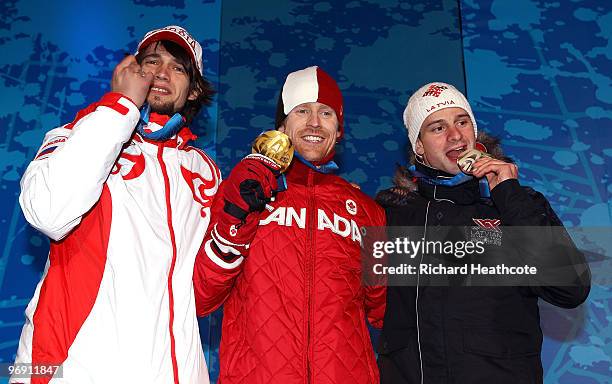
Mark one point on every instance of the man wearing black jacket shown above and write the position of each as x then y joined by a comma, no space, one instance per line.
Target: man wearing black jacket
477,334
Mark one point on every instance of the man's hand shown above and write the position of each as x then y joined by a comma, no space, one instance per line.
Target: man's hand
250,185
131,81
495,170
247,190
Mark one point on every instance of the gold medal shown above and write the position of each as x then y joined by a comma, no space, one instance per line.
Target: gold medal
467,159
276,146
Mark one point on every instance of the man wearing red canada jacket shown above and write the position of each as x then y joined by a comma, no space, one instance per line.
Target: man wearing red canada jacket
289,269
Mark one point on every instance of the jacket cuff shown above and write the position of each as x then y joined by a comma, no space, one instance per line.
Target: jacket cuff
220,262
119,103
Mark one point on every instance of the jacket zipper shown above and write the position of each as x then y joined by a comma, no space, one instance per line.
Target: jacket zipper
416,299
160,152
309,268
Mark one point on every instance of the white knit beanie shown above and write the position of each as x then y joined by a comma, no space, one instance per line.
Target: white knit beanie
431,98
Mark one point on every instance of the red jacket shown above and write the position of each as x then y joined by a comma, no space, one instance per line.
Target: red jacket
295,309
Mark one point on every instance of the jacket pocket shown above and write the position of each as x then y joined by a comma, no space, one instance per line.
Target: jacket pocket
500,343
395,340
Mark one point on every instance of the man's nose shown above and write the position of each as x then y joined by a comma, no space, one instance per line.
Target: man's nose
161,72
314,119
454,134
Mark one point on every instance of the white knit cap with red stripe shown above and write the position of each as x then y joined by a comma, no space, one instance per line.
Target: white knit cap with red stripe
431,98
312,85
178,35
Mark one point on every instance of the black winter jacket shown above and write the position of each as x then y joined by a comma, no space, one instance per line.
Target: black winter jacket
467,335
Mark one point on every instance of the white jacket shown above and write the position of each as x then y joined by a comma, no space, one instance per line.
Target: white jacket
126,218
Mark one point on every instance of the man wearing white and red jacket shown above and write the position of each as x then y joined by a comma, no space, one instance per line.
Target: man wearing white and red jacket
126,203
289,269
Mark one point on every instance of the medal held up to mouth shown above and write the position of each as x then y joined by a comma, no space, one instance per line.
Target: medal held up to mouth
467,159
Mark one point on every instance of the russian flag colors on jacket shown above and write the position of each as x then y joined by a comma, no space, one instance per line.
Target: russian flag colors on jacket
126,218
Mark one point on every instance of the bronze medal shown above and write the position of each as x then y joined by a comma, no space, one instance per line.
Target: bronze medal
467,159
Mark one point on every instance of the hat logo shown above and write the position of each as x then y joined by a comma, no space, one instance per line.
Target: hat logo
351,207
182,33
439,105
434,90
178,31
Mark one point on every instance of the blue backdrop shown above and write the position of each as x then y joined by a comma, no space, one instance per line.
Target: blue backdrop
539,75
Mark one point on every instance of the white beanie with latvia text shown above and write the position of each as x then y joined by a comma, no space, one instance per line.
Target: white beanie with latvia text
431,98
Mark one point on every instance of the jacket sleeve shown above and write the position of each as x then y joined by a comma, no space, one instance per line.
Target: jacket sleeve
216,268
66,177
524,207
376,292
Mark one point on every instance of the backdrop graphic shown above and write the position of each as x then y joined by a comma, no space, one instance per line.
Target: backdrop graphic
374,50
539,75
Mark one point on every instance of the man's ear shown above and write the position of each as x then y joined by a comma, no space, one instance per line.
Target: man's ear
418,147
193,95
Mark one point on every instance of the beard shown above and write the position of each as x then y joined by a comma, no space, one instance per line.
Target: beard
160,107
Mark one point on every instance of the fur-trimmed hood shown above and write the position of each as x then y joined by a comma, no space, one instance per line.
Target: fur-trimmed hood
403,184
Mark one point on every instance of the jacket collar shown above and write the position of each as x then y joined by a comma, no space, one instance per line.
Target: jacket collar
180,140
322,166
299,173
464,194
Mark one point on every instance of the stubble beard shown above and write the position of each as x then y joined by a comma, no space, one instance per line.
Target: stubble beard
160,107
